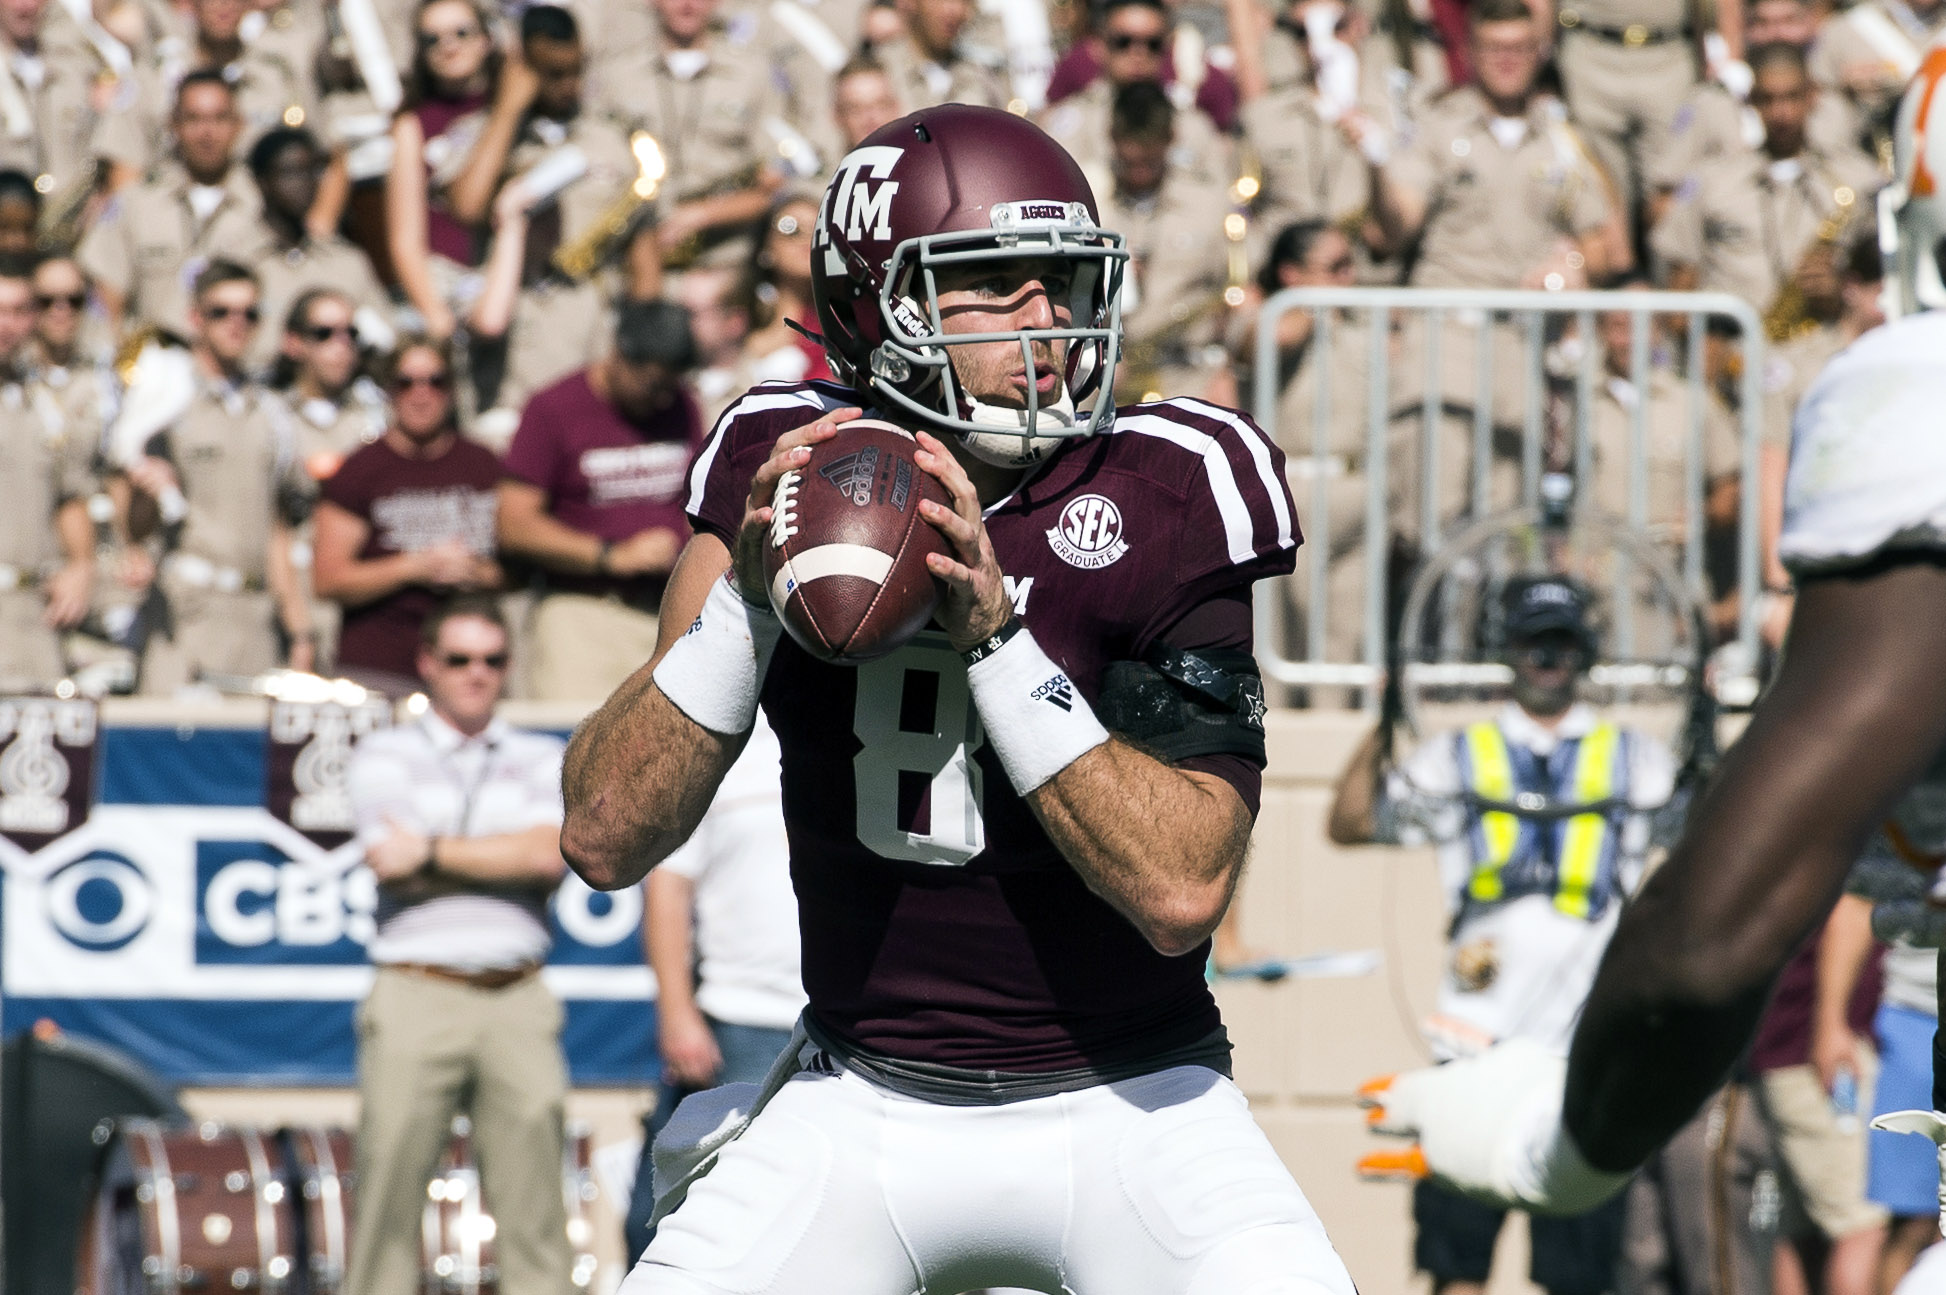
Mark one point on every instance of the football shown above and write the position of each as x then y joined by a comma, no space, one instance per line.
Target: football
846,554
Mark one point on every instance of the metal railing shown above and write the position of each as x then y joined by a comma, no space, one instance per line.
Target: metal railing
1556,405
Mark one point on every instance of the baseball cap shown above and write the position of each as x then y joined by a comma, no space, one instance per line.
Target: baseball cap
1537,605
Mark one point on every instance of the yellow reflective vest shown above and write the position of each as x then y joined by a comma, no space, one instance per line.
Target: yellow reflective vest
1523,843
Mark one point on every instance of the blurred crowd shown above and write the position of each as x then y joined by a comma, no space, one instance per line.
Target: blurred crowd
313,311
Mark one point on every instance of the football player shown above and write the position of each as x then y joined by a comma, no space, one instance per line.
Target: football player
1855,718
1012,837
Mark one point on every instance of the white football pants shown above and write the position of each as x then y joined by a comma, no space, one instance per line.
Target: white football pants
1161,1185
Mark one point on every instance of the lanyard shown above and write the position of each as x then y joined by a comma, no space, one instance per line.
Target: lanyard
469,789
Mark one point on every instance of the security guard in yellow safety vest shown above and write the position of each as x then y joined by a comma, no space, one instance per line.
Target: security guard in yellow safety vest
1541,819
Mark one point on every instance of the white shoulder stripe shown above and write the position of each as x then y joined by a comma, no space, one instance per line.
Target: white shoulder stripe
1258,444
1238,531
756,402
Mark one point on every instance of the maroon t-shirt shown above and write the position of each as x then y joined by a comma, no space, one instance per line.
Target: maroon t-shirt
410,504
603,474
446,233
940,923
1784,1034
1081,66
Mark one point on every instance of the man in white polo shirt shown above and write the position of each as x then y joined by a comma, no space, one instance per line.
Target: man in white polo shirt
460,814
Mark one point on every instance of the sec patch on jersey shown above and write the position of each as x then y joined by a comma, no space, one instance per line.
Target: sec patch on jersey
846,555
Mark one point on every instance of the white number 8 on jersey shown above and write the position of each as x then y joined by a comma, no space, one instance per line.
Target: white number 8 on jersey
921,684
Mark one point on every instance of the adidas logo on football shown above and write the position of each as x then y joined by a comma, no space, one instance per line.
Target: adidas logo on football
852,474
1056,690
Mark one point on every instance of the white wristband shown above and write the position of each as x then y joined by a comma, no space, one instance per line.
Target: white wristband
715,671
1036,719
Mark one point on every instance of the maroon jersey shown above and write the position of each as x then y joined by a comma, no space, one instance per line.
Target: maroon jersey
408,505
604,474
940,924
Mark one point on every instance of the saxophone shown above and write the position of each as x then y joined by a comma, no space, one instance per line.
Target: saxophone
1143,358
1788,316
586,253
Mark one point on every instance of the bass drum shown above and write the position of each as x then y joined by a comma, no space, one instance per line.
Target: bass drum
321,1174
459,1226
188,1209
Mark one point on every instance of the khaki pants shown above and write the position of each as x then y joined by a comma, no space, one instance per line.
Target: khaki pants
428,1049
30,652
1823,1164
583,647
1624,100
210,632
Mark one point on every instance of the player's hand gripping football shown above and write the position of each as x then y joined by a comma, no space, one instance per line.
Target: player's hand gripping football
793,450
976,603
1489,1127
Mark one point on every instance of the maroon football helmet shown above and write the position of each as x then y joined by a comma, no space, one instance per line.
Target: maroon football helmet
950,185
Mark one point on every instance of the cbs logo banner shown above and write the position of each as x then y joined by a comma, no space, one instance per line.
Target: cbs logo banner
227,902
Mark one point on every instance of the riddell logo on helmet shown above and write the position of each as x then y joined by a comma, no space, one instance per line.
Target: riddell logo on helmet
859,207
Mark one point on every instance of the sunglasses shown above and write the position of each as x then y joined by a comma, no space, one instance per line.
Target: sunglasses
1121,43
326,332
217,314
1550,656
434,39
434,381
72,300
461,660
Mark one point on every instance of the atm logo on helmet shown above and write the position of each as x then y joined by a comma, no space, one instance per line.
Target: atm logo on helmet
860,198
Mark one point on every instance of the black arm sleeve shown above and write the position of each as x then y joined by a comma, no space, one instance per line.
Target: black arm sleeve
1220,620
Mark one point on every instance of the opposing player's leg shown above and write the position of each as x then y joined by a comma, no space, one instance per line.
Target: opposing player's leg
789,1206
1178,1192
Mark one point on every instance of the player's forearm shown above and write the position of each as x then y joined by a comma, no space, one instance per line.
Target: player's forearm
1858,709
638,777
530,857
1162,845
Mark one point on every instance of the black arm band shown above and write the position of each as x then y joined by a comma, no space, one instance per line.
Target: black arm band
1179,704
988,646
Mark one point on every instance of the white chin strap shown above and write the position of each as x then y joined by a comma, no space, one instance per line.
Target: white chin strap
1012,443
